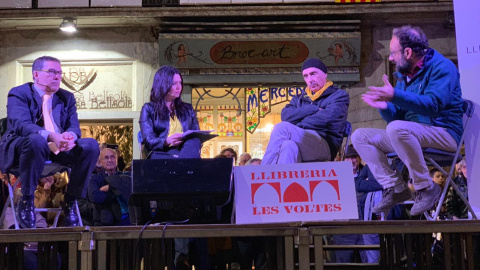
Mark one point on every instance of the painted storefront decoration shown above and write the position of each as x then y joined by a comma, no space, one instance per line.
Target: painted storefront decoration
258,50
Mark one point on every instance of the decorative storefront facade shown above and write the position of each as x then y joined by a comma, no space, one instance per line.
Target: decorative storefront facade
240,82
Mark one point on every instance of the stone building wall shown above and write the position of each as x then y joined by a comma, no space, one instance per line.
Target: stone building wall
140,46
135,46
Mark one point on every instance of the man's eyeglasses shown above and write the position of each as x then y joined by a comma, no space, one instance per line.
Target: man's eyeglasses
51,72
395,52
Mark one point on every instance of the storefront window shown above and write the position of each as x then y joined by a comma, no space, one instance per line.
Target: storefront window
242,117
221,110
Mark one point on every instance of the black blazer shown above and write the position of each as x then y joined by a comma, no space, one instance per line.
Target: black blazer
24,116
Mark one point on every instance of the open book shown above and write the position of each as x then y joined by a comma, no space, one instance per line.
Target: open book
203,135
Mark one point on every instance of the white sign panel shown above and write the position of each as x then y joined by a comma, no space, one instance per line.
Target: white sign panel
468,50
16,4
295,192
96,85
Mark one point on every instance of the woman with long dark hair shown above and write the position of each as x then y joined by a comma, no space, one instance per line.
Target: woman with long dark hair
166,117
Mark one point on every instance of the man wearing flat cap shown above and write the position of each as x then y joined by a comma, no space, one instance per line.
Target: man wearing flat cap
312,123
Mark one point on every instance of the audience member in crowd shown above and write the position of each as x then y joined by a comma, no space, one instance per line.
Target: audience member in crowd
312,123
365,182
109,191
30,249
437,177
43,125
256,250
458,169
230,153
9,219
346,256
254,161
455,207
49,194
244,158
424,109
166,117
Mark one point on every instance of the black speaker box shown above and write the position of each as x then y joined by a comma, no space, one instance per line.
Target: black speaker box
195,191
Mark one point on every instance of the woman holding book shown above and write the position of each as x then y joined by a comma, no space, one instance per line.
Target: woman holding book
166,117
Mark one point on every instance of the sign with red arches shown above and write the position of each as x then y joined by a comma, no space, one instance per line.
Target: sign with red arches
295,192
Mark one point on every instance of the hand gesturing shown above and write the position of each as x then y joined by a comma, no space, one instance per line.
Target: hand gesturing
377,97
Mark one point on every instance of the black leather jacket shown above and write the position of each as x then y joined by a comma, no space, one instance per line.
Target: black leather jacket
155,131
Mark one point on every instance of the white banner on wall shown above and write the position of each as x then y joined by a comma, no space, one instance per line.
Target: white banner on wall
467,27
97,85
295,192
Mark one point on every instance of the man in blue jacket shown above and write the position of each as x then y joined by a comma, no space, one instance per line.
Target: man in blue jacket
313,123
423,110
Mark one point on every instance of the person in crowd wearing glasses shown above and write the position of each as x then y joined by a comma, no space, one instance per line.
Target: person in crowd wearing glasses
43,125
423,110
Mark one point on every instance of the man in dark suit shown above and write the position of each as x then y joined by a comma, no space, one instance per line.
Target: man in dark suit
43,125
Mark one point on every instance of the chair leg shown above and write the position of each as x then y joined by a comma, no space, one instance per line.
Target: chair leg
10,199
4,211
80,222
441,200
55,221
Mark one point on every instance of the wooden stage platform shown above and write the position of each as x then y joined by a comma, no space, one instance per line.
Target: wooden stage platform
302,246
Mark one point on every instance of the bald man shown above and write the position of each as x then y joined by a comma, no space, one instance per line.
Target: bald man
105,191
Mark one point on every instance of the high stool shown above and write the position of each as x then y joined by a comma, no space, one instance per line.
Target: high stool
439,159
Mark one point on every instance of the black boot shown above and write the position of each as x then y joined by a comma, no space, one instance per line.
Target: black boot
71,217
26,214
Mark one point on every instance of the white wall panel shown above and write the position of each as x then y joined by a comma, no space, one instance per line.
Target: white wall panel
15,4
62,3
116,3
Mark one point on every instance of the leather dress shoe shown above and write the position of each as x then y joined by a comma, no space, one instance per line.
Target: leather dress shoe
71,217
26,214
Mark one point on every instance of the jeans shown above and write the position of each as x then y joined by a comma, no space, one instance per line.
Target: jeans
373,256
346,256
406,139
291,144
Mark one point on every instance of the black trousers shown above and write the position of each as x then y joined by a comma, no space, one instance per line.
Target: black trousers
32,153
189,149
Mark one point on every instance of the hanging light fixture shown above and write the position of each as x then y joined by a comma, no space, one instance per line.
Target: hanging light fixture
69,25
